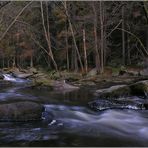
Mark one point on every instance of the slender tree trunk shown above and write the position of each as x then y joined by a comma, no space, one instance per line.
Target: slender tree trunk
73,36
3,62
147,38
123,38
8,62
48,31
85,53
97,56
128,50
48,39
14,63
67,51
72,60
75,61
102,38
31,61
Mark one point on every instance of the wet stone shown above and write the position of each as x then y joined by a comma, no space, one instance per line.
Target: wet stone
120,103
21,111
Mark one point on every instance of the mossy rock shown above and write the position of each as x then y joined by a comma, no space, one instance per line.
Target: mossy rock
114,91
139,88
21,111
44,84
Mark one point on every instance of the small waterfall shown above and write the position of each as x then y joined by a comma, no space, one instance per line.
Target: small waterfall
9,77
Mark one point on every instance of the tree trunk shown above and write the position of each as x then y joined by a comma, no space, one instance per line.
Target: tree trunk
47,36
97,56
3,62
31,61
73,36
105,39
128,50
123,38
102,38
85,54
147,38
14,63
67,51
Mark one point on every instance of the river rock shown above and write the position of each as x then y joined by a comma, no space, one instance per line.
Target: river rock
92,72
21,111
63,86
1,77
32,70
22,75
120,103
139,88
144,72
113,91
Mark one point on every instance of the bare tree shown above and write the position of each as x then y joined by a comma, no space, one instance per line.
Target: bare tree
102,37
85,53
47,36
123,37
97,56
73,36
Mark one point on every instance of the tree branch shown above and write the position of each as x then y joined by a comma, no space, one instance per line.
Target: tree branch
3,35
144,49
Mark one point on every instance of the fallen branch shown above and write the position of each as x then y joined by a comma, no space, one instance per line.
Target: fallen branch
144,49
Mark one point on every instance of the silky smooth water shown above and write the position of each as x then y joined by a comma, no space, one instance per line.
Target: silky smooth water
73,123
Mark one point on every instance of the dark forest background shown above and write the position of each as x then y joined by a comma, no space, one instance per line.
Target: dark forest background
73,36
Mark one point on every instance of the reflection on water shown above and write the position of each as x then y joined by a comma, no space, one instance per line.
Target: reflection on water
68,122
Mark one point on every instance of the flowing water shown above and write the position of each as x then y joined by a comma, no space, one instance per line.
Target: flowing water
73,123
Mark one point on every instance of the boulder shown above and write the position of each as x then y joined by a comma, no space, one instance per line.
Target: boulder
1,77
22,75
128,73
21,111
42,82
33,70
144,72
113,91
139,88
92,72
63,86
120,103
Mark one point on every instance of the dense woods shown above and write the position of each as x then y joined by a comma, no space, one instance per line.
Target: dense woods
73,36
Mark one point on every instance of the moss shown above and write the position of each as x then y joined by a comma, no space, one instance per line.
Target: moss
114,92
43,83
139,88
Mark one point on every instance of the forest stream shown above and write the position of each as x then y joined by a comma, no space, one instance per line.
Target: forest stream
67,120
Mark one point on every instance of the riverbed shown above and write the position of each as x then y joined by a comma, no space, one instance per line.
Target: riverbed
73,123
